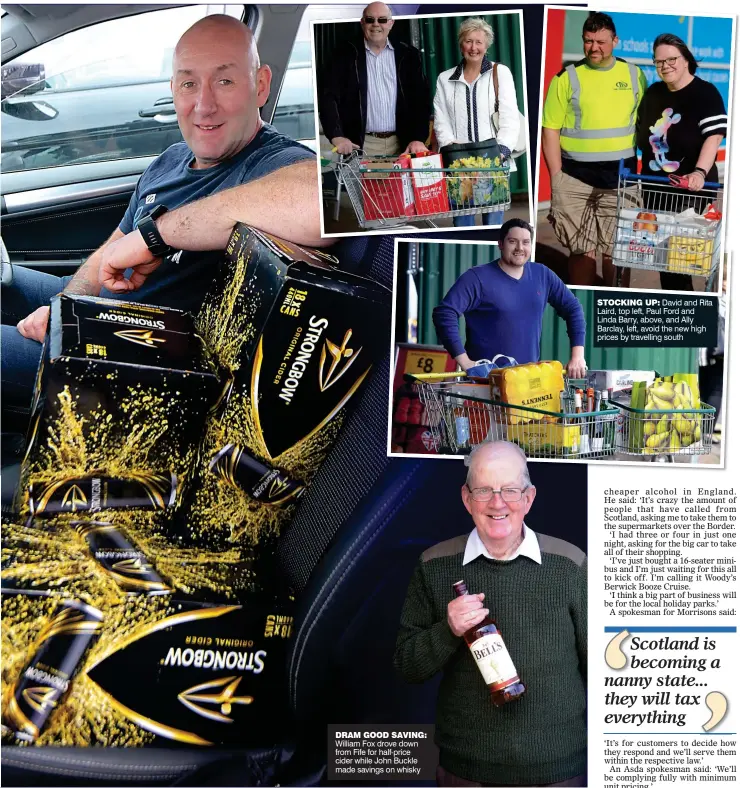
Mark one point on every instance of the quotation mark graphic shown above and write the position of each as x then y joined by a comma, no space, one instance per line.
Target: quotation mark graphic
613,655
717,704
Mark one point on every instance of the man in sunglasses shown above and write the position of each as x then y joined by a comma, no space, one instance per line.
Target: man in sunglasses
374,95
534,587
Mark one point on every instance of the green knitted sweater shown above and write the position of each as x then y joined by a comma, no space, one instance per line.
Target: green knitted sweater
541,609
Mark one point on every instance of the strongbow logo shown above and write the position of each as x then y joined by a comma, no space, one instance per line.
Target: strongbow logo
73,498
132,566
338,354
40,699
225,698
140,337
278,487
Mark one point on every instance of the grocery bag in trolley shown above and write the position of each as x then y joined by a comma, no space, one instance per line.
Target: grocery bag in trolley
642,236
430,188
386,187
690,250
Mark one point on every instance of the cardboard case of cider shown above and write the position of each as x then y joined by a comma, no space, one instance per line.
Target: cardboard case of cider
121,399
298,337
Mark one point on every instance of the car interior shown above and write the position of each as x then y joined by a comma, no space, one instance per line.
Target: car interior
352,546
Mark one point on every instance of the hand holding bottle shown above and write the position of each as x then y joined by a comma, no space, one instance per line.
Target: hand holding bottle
465,612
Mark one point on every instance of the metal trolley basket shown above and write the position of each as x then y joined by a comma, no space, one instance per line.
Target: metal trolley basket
654,232
460,421
658,434
384,197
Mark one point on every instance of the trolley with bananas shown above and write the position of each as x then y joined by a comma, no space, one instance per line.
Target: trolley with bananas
390,196
672,424
664,227
461,415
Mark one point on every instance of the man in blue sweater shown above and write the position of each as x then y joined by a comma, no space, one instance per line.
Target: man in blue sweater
503,303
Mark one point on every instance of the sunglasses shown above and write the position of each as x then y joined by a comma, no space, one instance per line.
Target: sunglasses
371,20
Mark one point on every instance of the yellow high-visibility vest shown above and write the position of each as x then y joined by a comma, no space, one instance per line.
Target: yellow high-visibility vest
595,110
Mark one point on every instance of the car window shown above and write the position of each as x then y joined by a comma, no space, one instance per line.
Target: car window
294,111
102,92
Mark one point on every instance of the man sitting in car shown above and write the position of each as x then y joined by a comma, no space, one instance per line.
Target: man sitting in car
232,167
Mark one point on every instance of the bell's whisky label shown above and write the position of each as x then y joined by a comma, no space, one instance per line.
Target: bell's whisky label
119,559
43,683
95,493
494,662
200,676
267,485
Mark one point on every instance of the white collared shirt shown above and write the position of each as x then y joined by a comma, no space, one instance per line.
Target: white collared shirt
529,548
382,89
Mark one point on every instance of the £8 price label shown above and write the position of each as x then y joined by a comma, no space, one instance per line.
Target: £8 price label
419,362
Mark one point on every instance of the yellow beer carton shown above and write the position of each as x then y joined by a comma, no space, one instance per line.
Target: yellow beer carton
536,385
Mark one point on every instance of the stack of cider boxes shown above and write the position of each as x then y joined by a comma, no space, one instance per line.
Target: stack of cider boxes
142,598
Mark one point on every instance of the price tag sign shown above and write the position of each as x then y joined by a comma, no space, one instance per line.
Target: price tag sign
422,362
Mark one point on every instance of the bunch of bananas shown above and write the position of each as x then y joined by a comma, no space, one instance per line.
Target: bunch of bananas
670,432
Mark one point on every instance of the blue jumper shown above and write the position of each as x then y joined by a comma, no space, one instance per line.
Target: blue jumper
503,314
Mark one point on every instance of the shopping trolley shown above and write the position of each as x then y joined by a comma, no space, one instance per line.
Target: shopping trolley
663,435
461,415
661,226
385,197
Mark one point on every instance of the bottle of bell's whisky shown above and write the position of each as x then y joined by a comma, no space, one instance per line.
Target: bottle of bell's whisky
492,657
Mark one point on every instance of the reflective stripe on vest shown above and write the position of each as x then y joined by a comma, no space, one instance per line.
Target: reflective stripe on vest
579,142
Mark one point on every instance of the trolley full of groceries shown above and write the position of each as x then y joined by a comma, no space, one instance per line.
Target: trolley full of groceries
664,227
532,405
389,192
611,414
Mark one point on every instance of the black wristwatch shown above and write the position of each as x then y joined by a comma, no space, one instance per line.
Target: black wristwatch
149,232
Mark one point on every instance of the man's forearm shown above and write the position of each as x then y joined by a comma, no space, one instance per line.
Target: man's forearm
551,150
464,361
85,281
285,203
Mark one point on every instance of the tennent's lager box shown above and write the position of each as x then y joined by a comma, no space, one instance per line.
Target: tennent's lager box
150,670
122,395
299,337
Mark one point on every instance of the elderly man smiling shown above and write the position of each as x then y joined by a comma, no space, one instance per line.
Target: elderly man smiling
534,586
374,95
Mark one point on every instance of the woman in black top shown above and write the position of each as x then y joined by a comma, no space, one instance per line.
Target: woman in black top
680,125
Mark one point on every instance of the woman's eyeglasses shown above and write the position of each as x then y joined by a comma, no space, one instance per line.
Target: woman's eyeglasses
371,20
669,61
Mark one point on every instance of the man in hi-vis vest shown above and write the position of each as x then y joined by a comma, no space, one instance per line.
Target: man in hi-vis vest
588,126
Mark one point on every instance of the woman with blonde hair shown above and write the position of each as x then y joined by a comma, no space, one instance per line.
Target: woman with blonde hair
465,102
